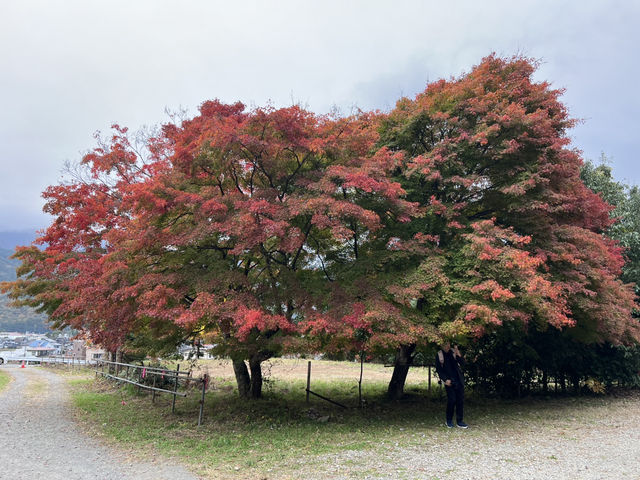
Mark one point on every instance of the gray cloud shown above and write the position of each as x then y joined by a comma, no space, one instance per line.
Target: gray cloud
75,67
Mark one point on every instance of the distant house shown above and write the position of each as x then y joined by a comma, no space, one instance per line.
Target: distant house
41,348
78,349
188,351
12,336
94,353
84,350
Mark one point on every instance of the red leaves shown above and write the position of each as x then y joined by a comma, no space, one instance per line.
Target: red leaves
251,198
373,326
357,318
248,320
214,208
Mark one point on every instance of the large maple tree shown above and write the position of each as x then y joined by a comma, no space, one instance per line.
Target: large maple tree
513,233
232,235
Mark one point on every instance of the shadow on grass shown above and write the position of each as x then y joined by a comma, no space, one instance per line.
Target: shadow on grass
282,427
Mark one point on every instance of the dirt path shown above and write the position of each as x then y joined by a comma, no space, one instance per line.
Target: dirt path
39,440
596,442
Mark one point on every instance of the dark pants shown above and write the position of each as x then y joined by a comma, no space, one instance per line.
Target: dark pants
455,400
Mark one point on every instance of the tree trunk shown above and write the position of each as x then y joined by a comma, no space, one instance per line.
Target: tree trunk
400,371
575,380
256,376
242,377
250,380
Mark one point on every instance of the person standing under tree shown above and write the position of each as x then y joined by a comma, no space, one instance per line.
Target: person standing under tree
448,363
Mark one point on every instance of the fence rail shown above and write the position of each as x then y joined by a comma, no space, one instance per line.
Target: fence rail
175,376
66,360
52,359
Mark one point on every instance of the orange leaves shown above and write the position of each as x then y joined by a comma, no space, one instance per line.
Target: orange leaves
522,260
492,289
541,287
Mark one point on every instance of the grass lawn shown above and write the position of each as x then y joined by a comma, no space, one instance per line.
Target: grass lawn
266,438
4,380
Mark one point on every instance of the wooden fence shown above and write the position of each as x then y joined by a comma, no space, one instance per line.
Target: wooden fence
138,375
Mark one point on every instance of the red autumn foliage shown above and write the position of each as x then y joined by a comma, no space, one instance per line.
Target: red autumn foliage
520,234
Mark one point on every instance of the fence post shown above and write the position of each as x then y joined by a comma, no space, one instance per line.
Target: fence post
360,379
153,397
205,381
308,379
429,387
175,389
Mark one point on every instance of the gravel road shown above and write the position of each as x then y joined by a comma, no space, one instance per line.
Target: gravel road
39,439
597,442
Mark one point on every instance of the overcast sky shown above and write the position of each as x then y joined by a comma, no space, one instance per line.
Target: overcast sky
69,68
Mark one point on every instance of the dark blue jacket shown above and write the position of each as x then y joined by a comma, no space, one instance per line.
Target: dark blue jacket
450,370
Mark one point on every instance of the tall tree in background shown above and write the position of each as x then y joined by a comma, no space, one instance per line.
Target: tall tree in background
626,213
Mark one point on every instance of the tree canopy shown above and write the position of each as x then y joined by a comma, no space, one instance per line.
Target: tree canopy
272,230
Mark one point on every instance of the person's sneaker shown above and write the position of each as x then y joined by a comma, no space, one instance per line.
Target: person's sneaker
462,425
449,424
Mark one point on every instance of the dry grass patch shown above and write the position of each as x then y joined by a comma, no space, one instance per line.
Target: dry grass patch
322,370
5,379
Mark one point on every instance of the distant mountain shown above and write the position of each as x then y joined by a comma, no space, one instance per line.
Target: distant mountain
9,240
22,319
7,265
